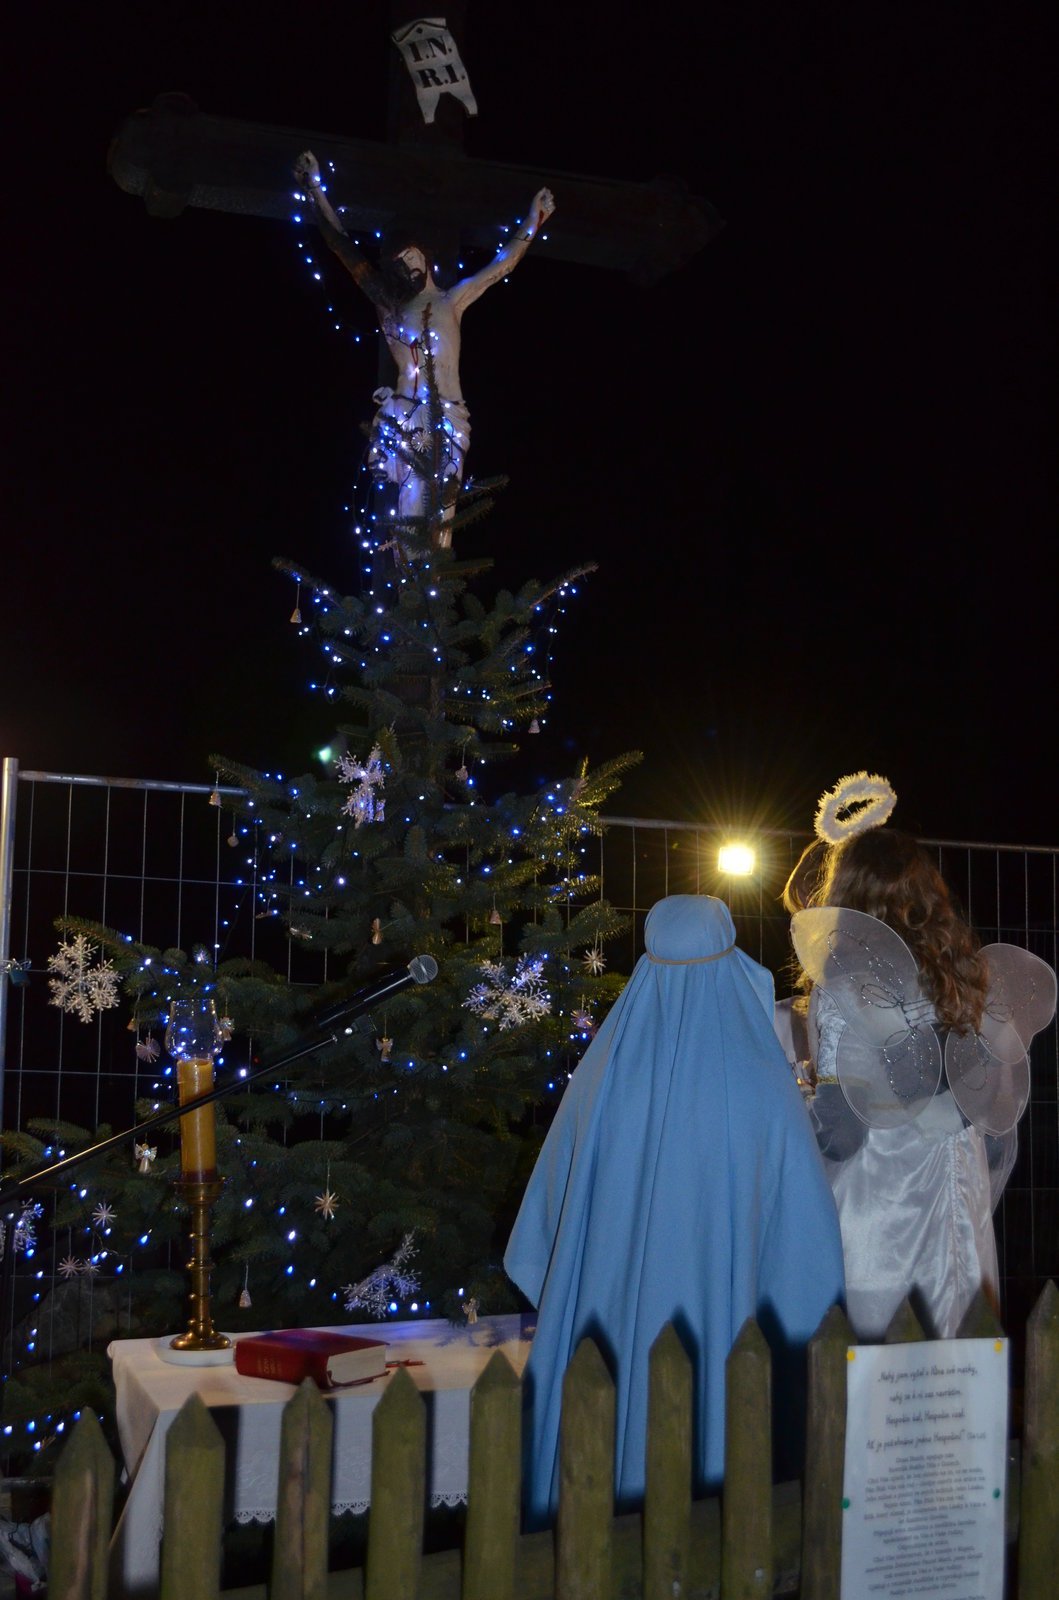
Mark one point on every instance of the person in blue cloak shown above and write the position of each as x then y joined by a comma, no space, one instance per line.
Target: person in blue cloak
680,1181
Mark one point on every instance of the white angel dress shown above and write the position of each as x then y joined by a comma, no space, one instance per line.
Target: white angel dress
916,1123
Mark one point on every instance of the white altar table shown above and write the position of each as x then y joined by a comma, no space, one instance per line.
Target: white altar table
247,1411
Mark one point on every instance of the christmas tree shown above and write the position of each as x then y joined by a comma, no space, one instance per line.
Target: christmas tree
421,1125
380,1174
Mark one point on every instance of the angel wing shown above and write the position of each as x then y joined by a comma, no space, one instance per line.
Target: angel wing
989,1071
889,1057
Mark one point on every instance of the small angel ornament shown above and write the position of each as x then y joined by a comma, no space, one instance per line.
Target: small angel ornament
144,1154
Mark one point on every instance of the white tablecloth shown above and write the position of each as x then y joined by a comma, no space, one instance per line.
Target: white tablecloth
150,1392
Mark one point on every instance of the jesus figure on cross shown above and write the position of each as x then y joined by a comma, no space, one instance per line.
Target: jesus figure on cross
411,309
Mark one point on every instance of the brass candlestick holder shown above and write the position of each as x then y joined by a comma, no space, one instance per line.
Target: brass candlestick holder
193,1037
200,1195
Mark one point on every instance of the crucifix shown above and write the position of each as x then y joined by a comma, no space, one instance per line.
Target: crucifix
419,181
422,427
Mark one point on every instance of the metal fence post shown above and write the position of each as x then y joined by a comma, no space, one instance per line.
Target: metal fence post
8,799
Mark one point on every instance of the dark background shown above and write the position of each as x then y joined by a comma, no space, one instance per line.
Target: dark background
814,465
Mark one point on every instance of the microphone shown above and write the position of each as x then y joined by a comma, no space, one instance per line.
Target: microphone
421,969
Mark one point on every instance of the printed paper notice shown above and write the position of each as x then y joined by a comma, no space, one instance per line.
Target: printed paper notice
926,1457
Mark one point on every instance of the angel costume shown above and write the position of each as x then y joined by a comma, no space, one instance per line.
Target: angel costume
680,1182
917,1158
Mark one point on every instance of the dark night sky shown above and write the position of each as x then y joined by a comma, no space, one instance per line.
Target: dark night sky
814,465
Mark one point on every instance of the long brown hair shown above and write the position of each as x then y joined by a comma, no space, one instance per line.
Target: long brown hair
804,880
890,876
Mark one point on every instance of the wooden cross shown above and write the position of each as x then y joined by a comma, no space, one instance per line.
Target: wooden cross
175,156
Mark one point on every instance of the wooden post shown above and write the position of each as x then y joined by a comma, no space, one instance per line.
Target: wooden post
192,1523
746,1504
904,1326
704,1560
82,1503
980,1321
1039,1521
825,1458
303,1502
398,1492
667,1501
494,1483
583,1561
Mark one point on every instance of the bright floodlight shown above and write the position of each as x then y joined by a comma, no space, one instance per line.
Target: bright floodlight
737,860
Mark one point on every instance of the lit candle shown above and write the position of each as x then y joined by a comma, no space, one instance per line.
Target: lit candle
193,1037
198,1144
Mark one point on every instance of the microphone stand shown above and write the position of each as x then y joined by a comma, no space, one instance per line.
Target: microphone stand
18,1189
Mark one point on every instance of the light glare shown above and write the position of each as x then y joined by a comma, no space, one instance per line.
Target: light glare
737,860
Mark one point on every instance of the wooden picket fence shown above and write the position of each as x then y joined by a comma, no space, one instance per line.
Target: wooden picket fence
755,1541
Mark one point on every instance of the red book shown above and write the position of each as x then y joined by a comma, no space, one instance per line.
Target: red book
332,1360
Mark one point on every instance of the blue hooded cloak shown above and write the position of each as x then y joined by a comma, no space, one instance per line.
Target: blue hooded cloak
680,1181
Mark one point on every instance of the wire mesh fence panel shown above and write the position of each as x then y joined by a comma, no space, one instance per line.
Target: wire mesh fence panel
177,865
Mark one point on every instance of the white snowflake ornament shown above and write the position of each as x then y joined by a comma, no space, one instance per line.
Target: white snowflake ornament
77,985
326,1203
25,1235
511,1000
103,1214
375,1292
69,1267
365,802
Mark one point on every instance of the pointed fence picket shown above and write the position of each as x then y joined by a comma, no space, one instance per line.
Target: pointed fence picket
192,1527
746,1500
1039,1524
494,1483
303,1504
758,1541
398,1488
825,1442
667,1497
586,1478
82,1506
